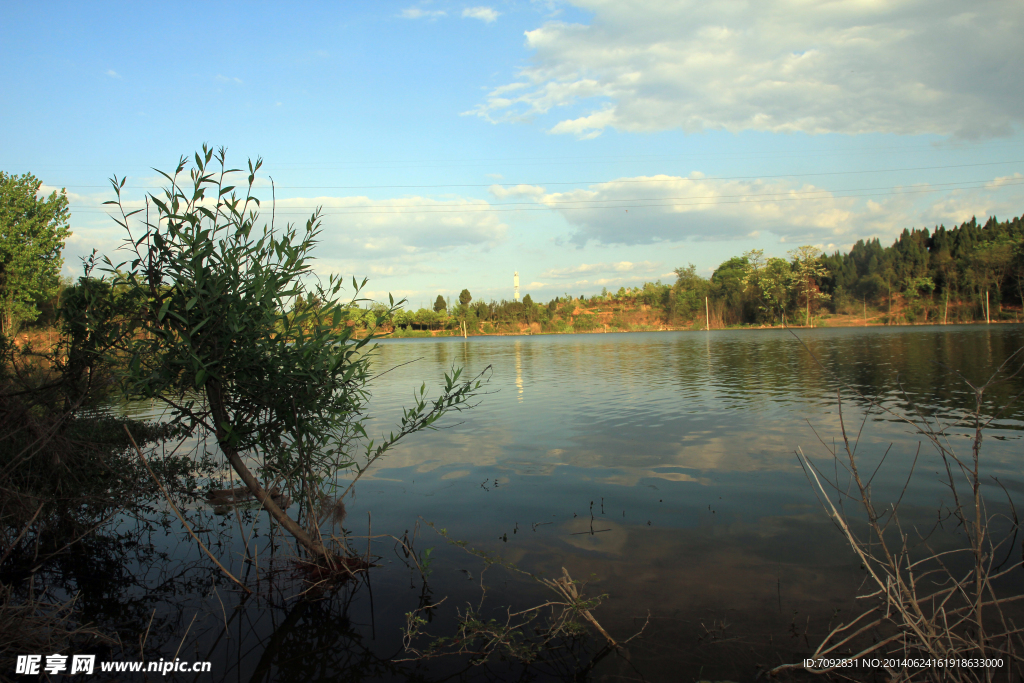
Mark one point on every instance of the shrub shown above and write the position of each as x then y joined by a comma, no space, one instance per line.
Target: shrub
585,322
284,390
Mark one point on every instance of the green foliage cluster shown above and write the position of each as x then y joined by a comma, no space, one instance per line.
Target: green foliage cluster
924,267
585,322
93,319
32,234
480,315
923,275
216,342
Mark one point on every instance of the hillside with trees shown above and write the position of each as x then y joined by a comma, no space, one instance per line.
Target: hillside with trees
971,272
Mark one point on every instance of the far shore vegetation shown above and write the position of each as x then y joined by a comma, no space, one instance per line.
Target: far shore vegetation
969,273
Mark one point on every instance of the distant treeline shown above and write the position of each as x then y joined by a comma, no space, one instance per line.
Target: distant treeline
969,272
961,265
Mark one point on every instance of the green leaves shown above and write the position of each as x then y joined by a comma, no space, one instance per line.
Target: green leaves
288,386
32,235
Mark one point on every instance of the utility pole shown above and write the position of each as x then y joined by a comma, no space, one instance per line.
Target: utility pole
707,314
987,318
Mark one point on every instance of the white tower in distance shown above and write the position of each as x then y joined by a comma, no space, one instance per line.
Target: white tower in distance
515,284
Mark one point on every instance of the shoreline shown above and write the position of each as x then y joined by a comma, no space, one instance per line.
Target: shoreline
836,325
33,336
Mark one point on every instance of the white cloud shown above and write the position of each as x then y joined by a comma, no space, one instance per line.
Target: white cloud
531,191
113,74
610,282
382,295
905,66
642,268
587,127
673,209
385,238
405,268
363,228
590,275
1002,181
485,14
418,13
662,208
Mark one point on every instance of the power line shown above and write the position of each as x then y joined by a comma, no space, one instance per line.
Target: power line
964,184
599,182
564,159
770,198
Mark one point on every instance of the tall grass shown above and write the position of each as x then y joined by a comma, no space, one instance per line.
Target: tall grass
935,608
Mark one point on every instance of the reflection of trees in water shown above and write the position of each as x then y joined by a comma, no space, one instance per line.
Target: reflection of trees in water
754,366
732,397
927,364
122,583
313,640
135,591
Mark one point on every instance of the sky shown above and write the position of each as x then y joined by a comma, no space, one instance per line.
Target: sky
588,144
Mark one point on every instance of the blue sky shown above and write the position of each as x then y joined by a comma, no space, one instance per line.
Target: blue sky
585,144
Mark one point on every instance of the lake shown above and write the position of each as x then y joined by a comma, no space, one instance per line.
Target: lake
658,467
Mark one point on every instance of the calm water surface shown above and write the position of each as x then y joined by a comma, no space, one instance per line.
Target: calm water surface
675,449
